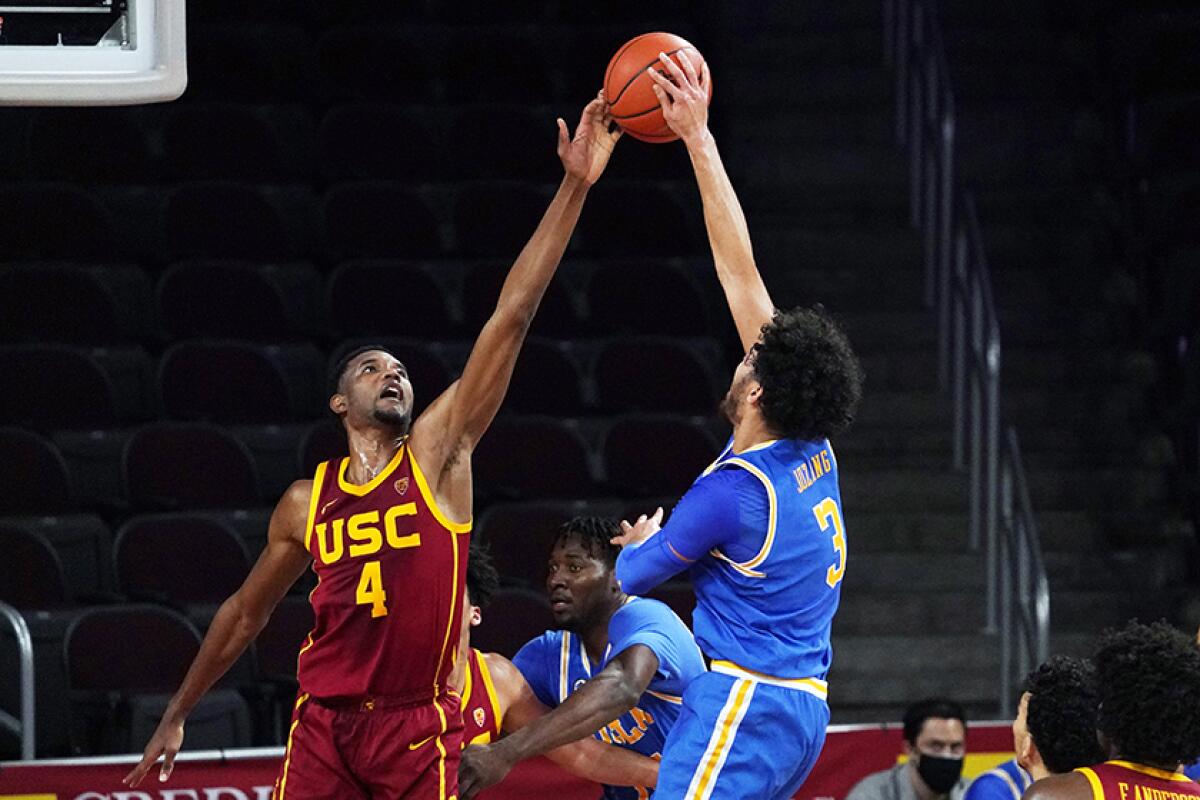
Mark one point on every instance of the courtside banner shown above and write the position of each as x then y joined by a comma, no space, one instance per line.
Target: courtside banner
851,751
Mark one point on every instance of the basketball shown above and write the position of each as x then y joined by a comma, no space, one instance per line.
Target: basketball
629,89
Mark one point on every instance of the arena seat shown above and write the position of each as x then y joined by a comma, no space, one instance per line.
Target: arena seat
519,536
358,142
237,382
179,559
387,297
78,303
527,457
374,62
107,665
237,141
90,144
171,466
246,62
85,388
546,380
655,455
379,219
520,148
253,221
31,573
512,618
557,316
239,299
82,544
663,299
616,209
496,218
54,221
654,374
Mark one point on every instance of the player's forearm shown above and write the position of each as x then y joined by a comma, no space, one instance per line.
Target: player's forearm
596,703
595,761
538,260
729,239
641,568
231,632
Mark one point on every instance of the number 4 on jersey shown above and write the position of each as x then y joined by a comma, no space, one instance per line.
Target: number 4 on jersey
826,512
370,590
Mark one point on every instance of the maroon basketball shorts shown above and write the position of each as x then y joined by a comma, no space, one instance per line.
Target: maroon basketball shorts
371,748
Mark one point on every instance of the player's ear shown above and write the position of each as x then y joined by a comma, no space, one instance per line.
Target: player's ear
755,395
476,616
339,404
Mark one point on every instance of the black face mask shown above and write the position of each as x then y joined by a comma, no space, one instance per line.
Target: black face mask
940,774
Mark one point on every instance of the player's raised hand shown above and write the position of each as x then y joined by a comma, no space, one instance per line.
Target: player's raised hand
166,741
586,154
683,97
640,531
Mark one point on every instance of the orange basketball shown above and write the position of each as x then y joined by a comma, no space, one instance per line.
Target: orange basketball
628,87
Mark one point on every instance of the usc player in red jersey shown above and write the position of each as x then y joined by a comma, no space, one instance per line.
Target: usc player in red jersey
496,698
387,531
1148,720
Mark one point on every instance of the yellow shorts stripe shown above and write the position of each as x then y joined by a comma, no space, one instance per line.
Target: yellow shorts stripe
704,779
287,756
441,751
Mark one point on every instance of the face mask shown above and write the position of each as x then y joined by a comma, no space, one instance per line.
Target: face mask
940,774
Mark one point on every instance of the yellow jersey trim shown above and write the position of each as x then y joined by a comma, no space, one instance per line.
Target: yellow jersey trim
1094,780
450,621
1154,772
318,482
670,698
704,780
287,759
364,489
747,568
493,699
814,686
755,447
423,486
468,681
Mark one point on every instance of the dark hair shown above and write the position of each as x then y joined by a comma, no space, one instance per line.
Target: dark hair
811,380
483,581
334,381
1148,677
1061,716
593,534
932,708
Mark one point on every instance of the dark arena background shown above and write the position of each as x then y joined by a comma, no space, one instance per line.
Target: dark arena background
1000,202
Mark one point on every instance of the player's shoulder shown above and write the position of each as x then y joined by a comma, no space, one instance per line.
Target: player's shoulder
503,672
540,647
1068,786
646,610
291,512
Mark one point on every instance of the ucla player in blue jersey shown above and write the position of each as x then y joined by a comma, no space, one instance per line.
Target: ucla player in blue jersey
616,668
761,530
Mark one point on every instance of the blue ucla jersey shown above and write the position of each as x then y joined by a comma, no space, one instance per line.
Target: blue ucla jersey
771,611
1006,781
556,664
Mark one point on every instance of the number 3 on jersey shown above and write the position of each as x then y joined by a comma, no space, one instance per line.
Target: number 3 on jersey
370,590
826,512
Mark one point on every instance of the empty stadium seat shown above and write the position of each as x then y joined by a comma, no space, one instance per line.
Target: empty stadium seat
237,141
546,380
218,297
651,297
31,573
557,315
655,455
512,618
179,559
519,536
175,466
90,144
82,544
73,302
72,389
637,219
379,219
654,374
279,642
36,475
54,221
236,382
363,141
387,297
511,142
372,62
236,61
324,441
529,457
224,219
496,218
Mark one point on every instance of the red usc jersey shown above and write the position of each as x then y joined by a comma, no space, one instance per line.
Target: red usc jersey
1125,780
391,570
481,712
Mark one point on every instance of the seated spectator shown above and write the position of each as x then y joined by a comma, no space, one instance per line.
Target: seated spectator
1054,732
935,734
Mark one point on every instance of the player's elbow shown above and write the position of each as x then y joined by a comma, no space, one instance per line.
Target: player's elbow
623,694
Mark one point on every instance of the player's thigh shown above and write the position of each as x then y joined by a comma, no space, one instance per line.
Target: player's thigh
737,738
312,766
413,753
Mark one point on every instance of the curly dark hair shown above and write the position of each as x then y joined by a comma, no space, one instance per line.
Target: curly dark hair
593,534
811,380
1061,715
483,581
1148,677
932,708
333,381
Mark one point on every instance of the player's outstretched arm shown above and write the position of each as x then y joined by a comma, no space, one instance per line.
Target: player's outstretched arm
587,758
460,416
237,623
684,100
603,698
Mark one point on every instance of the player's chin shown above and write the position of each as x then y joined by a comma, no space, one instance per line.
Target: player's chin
564,618
392,413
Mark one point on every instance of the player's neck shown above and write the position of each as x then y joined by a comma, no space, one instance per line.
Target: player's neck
371,450
595,637
751,430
